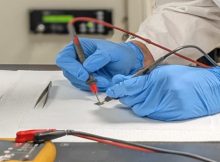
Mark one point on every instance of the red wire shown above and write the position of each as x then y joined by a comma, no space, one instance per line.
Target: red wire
126,146
73,21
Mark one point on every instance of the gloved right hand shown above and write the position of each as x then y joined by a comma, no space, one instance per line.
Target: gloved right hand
170,92
104,60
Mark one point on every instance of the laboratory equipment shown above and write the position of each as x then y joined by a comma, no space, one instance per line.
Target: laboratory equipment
42,48
42,100
55,21
18,152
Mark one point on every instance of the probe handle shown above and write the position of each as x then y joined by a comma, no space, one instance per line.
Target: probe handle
149,68
79,50
81,57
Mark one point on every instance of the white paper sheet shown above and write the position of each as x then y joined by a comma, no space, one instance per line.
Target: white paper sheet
7,80
70,108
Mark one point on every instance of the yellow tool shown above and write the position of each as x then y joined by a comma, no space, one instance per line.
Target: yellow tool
26,152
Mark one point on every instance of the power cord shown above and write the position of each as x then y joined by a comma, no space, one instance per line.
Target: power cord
40,136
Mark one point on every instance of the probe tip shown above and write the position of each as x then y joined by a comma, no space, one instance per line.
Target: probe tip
99,102
107,99
94,89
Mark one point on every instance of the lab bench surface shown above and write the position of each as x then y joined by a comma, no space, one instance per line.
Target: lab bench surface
95,152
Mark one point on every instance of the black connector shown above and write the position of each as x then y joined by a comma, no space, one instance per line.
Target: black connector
47,136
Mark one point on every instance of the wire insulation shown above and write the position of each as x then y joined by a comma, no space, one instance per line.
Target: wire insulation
140,147
78,19
161,59
54,134
117,144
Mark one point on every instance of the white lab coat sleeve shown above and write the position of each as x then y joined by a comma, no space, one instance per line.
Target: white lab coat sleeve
195,22
217,2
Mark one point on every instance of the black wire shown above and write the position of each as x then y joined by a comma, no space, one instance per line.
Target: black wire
161,59
196,47
160,150
151,67
46,136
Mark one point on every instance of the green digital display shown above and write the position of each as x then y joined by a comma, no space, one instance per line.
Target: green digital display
57,18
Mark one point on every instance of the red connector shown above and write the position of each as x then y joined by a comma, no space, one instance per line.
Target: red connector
29,135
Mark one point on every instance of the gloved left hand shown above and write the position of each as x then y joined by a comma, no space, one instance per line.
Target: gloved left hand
170,92
104,59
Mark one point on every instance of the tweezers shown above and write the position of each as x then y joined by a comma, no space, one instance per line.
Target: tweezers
42,100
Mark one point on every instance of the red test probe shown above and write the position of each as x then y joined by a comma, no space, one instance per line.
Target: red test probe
81,56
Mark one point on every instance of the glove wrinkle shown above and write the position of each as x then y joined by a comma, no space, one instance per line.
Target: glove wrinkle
172,93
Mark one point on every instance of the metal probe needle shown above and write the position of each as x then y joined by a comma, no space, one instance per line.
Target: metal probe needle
99,102
107,99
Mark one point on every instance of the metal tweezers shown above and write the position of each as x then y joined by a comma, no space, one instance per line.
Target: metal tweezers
42,100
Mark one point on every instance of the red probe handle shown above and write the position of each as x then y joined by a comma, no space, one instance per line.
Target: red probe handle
81,56
93,88
28,135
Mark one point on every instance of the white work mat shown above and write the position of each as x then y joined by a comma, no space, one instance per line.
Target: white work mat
70,108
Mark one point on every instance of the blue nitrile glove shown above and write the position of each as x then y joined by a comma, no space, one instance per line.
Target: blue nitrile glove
104,60
170,92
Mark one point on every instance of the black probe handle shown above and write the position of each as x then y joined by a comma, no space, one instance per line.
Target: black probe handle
47,136
150,68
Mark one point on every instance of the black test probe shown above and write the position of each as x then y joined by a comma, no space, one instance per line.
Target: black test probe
151,67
